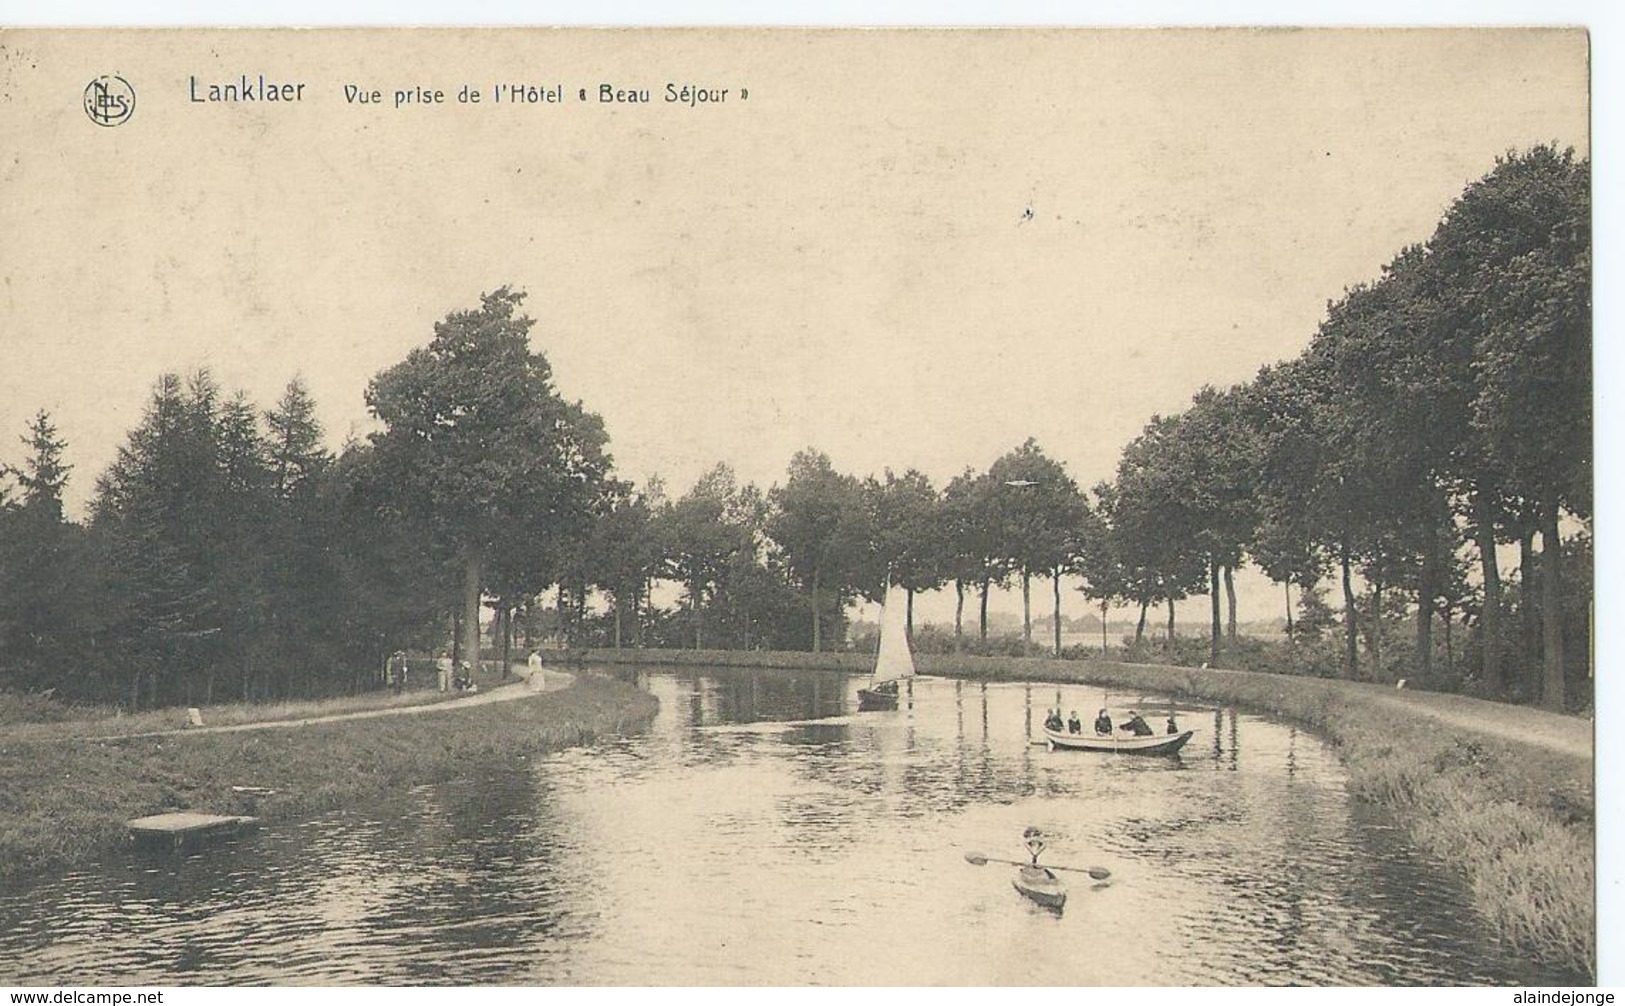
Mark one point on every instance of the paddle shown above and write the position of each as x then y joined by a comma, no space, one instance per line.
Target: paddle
1097,872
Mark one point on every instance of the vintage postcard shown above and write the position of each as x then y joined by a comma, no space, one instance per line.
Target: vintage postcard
740,507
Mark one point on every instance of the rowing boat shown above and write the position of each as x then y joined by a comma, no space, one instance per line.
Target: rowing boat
1153,744
1041,885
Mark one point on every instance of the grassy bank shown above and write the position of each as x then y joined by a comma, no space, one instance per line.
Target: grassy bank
1516,820
64,799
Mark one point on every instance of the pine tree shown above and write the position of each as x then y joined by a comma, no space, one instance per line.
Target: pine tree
148,515
38,565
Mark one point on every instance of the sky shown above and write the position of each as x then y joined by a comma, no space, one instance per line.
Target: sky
906,249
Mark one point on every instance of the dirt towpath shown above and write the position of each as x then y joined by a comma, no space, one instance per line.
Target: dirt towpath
1570,735
531,683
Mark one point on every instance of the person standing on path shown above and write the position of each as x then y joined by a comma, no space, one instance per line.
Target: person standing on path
535,664
443,666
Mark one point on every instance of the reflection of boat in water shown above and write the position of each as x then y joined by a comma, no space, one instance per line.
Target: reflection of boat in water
1152,744
1041,885
895,661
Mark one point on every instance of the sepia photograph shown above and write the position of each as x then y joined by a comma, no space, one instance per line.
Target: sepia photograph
488,507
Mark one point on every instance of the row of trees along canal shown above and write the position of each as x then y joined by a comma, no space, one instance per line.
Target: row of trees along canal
1439,415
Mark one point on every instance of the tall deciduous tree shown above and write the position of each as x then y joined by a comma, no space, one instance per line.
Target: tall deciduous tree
975,552
1514,256
1039,512
909,539
479,442
823,525
699,536
1097,561
621,553
1158,530
1279,407
392,580
1212,458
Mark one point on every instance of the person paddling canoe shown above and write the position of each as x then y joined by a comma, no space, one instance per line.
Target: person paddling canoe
1036,882
1034,840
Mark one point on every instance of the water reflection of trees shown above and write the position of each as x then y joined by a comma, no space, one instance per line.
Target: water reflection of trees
1248,861
940,757
1257,862
751,695
459,882
1265,857
501,879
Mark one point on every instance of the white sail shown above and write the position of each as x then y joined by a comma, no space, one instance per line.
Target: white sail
895,659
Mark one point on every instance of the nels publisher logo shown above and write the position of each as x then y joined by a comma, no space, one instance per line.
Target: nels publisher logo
109,100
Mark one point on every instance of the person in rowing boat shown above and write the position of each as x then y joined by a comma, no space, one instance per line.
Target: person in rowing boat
1137,725
1103,724
1173,727
1034,840
1053,721
1073,724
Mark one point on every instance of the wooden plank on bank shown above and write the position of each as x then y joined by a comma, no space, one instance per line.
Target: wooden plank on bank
180,827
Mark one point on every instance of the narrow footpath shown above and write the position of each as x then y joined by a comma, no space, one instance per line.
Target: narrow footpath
530,683
1570,735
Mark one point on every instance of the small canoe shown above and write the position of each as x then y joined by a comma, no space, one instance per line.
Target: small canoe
1152,744
1041,885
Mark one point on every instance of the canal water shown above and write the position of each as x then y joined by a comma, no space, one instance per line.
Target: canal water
762,832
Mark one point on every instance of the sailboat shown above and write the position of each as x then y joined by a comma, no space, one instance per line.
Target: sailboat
895,661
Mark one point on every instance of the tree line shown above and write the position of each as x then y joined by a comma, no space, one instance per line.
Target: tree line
1438,415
